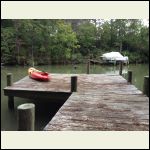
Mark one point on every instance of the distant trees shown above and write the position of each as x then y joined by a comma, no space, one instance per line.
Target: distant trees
38,41
60,41
86,35
8,45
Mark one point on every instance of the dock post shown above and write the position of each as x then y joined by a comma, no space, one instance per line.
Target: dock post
88,67
146,86
120,68
74,84
10,98
129,77
26,117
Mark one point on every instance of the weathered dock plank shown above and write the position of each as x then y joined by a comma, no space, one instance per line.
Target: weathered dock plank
57,89
102,102
102,112
61,84
32,85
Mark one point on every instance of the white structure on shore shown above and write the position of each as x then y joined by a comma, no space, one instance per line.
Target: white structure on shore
114,57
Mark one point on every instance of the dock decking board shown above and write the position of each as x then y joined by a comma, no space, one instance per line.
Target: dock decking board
102,102
58,89
102,112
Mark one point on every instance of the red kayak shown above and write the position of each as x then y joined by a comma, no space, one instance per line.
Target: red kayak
38,75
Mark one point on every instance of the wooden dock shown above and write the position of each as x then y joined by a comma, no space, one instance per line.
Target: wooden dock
101,103
56,90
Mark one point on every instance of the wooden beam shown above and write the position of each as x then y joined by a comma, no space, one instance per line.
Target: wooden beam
129,77
10,98
120,68
146,86
74,84
88,67
26,117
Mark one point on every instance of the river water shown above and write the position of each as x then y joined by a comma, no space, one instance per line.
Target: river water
45,110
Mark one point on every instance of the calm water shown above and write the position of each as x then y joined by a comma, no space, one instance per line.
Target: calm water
44,109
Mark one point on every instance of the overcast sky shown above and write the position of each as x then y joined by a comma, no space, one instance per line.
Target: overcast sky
146,22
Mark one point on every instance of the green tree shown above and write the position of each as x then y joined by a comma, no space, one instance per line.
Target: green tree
63,41
8,45
46,41
86,35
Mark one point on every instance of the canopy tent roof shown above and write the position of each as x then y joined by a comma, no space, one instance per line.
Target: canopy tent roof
114,56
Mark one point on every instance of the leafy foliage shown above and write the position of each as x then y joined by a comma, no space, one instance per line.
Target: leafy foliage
63,41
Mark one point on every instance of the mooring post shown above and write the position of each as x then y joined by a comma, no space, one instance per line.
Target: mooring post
74,84
88,67
10,98
120,68
129,79
26,117
146,86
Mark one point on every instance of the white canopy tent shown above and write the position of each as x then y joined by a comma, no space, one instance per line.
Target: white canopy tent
114,56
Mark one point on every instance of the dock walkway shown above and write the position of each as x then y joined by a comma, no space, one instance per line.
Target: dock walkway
102,102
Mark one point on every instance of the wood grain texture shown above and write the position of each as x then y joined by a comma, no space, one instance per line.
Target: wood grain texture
101,103
26,117
102,112
106,103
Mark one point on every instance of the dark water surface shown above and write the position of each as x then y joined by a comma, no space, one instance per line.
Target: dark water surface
45,110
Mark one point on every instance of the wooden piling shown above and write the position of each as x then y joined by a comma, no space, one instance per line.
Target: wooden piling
74,84
10,98
120,68
26,117
129,76
146,86
9,79
88,67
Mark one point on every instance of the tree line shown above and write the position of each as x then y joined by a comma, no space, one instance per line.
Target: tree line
59,41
